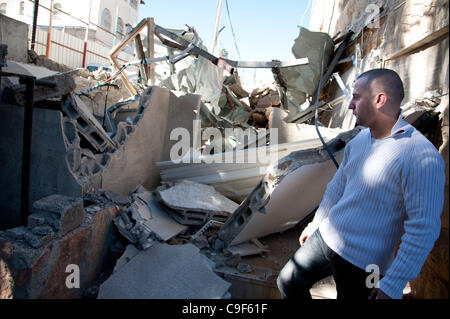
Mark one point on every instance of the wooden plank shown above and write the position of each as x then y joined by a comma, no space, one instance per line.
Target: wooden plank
118,48
151,48
422,42
141,55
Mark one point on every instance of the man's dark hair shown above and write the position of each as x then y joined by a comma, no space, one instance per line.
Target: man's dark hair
390,79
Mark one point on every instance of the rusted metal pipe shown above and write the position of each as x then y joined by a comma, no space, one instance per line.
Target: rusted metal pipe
49,33
33,32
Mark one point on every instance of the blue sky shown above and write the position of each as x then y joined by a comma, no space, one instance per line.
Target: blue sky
264,29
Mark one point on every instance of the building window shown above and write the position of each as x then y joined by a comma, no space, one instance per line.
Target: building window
120,33
128,28
22,8
106,19
3,7
133,3
56,13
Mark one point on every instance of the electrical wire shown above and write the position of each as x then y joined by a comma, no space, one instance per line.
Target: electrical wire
304,13
318,92
232,30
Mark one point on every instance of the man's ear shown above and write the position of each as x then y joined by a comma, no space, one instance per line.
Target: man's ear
380,100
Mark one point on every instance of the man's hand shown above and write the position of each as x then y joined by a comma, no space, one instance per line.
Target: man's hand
377,293
303,237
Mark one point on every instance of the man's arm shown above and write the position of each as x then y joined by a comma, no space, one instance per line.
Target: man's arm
333,193
423,190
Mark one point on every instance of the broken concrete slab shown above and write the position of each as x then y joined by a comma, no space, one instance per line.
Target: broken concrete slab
64,84
192,196
161,223
165,272
133,162
145,218
294,186
193,203
183,111
130,252
153,216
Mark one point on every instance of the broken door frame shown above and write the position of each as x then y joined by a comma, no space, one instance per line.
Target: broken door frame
134,34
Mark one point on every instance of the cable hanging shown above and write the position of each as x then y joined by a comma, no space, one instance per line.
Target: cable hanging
232,30
318,93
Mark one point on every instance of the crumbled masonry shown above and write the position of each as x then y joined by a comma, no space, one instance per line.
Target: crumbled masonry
107,194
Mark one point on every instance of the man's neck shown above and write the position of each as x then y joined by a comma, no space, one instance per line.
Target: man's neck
383,128
383,124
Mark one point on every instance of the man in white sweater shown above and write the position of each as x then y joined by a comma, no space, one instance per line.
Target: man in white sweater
389,189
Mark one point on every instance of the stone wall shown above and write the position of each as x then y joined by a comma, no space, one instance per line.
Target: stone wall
15,34
34,265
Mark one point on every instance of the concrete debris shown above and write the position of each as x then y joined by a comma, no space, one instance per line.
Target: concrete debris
130,252
104,197
64,84
295,186
145,220
165,272
41,60
413,110
244,268
35,238
87,124
196,203
236,180
264,98
62,213
253,247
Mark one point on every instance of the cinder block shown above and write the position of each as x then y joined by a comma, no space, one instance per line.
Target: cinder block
41,219
37,241
17,232
69,211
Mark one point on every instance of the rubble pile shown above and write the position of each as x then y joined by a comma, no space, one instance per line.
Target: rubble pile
103,169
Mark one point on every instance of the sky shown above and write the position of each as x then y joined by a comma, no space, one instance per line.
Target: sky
264,29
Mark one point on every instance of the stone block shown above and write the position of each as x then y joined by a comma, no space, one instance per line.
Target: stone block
42,230
37,241
16,233
69,211
41,219
64,84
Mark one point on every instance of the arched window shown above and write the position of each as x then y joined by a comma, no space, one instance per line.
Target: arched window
128,28
3,7
120,32
56,13
22,8
105,21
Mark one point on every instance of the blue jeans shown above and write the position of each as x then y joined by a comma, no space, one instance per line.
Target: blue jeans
314,261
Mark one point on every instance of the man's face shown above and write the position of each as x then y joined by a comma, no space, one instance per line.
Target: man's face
361,103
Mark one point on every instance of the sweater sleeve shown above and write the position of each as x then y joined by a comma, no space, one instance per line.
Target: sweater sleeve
333,193
423,190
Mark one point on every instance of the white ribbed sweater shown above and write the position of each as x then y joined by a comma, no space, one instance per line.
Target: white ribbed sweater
385,191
